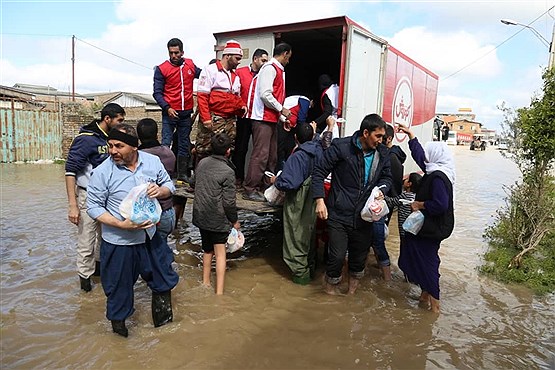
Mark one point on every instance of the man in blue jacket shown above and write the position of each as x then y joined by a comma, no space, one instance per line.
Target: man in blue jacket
357,165
87,151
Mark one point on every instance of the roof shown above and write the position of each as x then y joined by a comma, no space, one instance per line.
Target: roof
12,92
145,98
44,90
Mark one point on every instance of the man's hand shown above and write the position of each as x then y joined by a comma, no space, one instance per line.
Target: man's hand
245,111
153,190
287,125
286,112
208,125
73,214
172,113
128,225
321,209
417,205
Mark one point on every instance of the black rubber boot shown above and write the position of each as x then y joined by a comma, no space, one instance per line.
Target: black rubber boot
118,327
162,308
85,284
182,168
96,268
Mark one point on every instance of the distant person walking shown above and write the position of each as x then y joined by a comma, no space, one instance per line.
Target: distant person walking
173,91
86,152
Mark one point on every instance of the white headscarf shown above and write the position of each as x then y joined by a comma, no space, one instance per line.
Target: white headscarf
439,157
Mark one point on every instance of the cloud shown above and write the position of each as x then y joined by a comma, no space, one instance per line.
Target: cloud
448,52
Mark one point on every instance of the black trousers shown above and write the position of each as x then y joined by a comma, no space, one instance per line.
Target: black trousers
343,238
243,135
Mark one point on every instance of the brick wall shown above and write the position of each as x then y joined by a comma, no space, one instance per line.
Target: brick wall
75,115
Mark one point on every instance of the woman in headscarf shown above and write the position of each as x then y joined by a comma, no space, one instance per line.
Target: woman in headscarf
434,198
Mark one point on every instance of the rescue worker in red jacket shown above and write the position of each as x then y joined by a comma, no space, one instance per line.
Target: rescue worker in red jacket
173,91
219,100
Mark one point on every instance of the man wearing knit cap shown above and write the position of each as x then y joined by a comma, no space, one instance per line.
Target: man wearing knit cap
266,108
219,99
173,91
130,249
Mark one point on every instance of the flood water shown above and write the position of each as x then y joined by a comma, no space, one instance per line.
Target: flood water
264,321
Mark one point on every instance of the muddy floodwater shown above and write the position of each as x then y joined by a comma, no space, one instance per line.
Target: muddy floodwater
264,321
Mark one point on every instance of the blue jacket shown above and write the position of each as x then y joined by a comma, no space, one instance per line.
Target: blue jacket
348,193
88,149
299,165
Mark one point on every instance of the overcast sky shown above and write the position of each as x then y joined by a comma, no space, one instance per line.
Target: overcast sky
480,61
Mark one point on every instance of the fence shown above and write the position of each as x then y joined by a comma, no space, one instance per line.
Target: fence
30,135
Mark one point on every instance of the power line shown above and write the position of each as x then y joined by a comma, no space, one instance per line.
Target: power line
113,54
83,41
498,46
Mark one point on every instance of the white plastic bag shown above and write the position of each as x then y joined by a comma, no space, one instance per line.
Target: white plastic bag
274,196
414,222
374,209
235,241
138,207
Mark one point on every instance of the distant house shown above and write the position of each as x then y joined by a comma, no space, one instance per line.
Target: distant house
49,95
18,99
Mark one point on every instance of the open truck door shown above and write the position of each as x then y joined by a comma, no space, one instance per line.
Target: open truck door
362,77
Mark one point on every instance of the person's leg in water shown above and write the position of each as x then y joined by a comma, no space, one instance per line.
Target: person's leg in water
359,241
337,245
380,251
206,268
219,251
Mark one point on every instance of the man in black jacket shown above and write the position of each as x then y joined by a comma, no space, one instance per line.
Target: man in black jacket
357,165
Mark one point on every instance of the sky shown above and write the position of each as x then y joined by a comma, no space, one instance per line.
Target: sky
481,63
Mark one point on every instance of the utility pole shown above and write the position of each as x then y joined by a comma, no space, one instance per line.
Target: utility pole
551,64
73,68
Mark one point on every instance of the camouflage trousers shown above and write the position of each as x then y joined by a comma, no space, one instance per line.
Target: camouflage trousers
204,135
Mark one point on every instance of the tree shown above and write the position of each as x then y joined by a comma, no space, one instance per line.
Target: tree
522,237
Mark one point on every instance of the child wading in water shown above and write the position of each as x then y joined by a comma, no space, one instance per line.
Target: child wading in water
214,208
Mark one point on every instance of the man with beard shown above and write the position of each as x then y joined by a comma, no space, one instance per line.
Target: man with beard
173,91
219,99
127,249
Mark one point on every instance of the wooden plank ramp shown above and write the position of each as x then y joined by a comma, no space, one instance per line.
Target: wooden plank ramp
247,205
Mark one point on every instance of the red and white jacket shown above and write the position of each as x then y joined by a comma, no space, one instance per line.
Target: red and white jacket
173,85
270,78
218,92
246,74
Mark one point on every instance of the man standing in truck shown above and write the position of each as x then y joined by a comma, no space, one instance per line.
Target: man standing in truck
267,105
173,91
244,125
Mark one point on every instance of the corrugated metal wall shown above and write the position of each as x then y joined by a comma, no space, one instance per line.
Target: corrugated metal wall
30,135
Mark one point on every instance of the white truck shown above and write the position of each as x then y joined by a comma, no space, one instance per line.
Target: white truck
373,76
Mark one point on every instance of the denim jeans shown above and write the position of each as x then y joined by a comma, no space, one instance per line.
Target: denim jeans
378,242
183,125
166,224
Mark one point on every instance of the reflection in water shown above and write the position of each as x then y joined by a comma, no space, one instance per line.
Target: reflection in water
264,320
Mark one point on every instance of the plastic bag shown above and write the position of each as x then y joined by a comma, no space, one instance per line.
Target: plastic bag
138,207
235,241
414,222
374,209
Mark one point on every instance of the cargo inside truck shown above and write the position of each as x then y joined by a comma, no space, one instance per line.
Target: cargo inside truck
315,52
